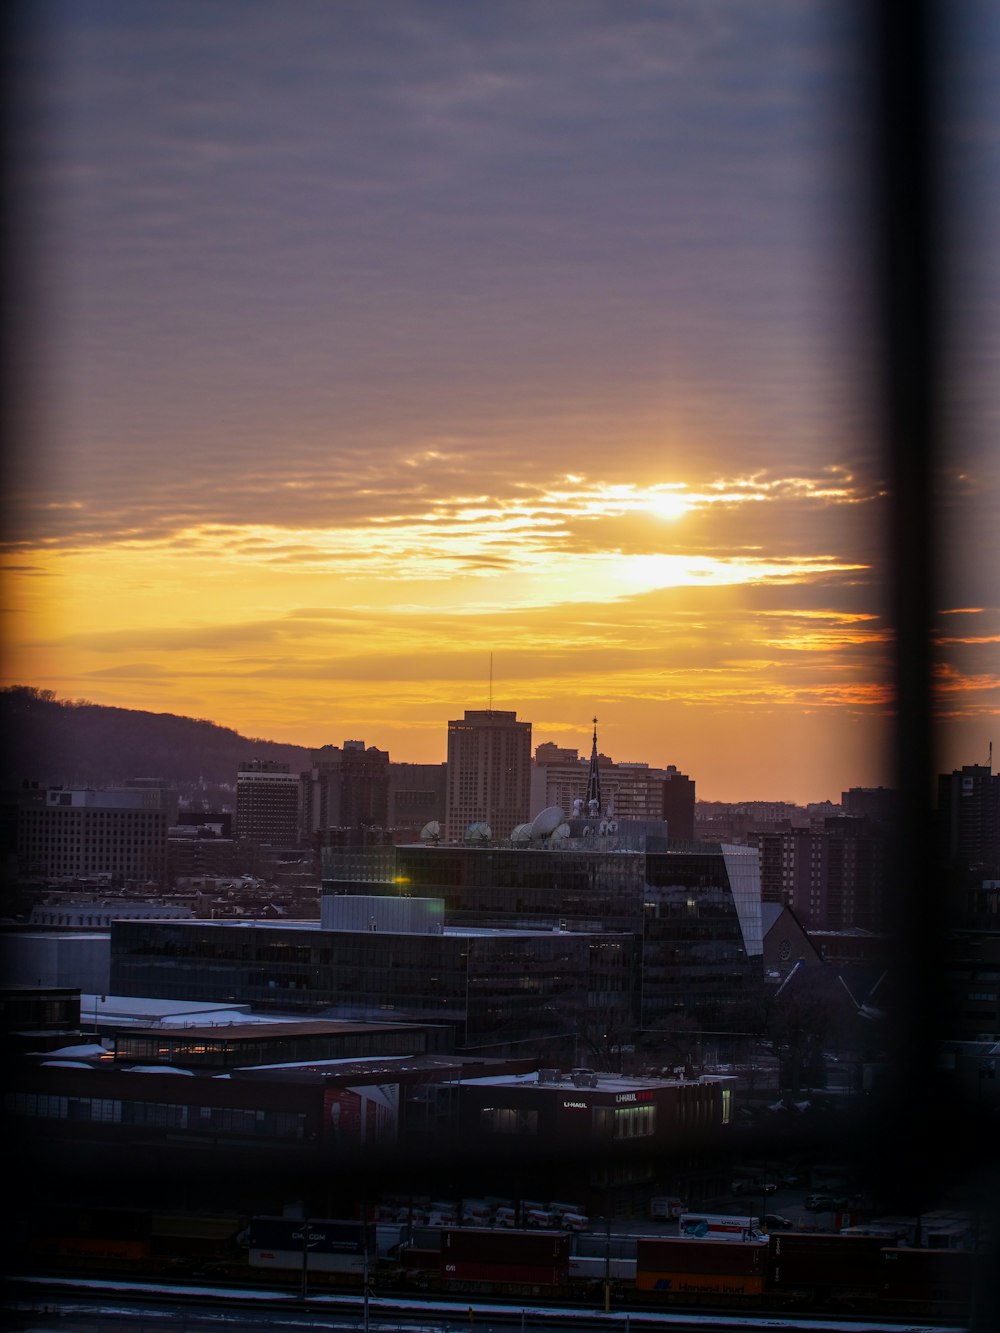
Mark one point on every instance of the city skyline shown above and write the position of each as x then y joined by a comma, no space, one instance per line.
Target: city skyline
403,359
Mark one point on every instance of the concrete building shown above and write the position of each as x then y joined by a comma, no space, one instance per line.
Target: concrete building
489,772
198,852
56,958
969,816
109,835
268,803
347,787
417,797
831,875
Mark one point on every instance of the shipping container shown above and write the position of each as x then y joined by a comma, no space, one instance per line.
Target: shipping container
590,1266
530,1275
426,1260
324,1235
196,1236
928,1275
486,1246
683,1255
700,1284
88,1247
318,1262
817,1261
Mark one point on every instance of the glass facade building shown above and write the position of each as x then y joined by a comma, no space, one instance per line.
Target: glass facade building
493,987
693,910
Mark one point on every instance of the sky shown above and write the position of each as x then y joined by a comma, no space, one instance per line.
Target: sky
376,362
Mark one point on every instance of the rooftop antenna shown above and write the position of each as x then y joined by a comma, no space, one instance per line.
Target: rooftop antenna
491,682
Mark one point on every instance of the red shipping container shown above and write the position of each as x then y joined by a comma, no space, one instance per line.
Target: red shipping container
942,1275
528,1275
426,1259
679,1255
816,1260
484,1245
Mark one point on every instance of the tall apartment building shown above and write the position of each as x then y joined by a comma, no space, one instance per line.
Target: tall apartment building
347,788
268,802
830,875
969,816
114,835
489,772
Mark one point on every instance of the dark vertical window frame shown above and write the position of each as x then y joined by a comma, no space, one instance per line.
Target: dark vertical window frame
925,1138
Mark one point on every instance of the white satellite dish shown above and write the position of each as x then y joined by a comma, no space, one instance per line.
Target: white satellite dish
547,821
563,831
521,833
431,831
478,832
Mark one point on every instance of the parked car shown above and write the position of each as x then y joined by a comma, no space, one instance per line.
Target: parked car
775,1222
818,1203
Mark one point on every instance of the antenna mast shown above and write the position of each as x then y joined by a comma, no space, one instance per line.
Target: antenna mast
491,682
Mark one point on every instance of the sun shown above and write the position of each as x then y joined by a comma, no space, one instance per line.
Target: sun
667,504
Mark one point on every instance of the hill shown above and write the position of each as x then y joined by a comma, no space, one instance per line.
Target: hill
76,743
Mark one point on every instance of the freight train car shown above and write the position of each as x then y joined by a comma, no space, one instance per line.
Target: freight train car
723,1270
940,1282
817,1270
105,1239
333,1251
484,1260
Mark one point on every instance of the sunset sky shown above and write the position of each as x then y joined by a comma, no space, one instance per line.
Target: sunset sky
368,344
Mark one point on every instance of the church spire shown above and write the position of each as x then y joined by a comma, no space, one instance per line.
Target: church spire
594,780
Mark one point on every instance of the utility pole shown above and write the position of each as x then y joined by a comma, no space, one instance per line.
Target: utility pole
365,1233
308,1236
607,1265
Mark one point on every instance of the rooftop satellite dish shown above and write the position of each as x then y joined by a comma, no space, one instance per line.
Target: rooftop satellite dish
563,831
431,831
521,833
478,832
547,821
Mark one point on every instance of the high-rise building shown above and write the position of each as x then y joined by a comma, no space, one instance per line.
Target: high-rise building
347,788
489,772
969,815
678,804
832,875
268,802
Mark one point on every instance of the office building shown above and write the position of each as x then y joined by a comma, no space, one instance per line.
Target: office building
417,796
112,836
694,915
268,803
381,957
347,788
489,773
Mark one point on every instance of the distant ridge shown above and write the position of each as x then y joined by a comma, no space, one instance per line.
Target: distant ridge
77,743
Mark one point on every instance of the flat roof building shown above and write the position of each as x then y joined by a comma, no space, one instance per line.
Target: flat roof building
492,987
489,772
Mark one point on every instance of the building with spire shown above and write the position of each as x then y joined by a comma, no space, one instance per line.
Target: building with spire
561,776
